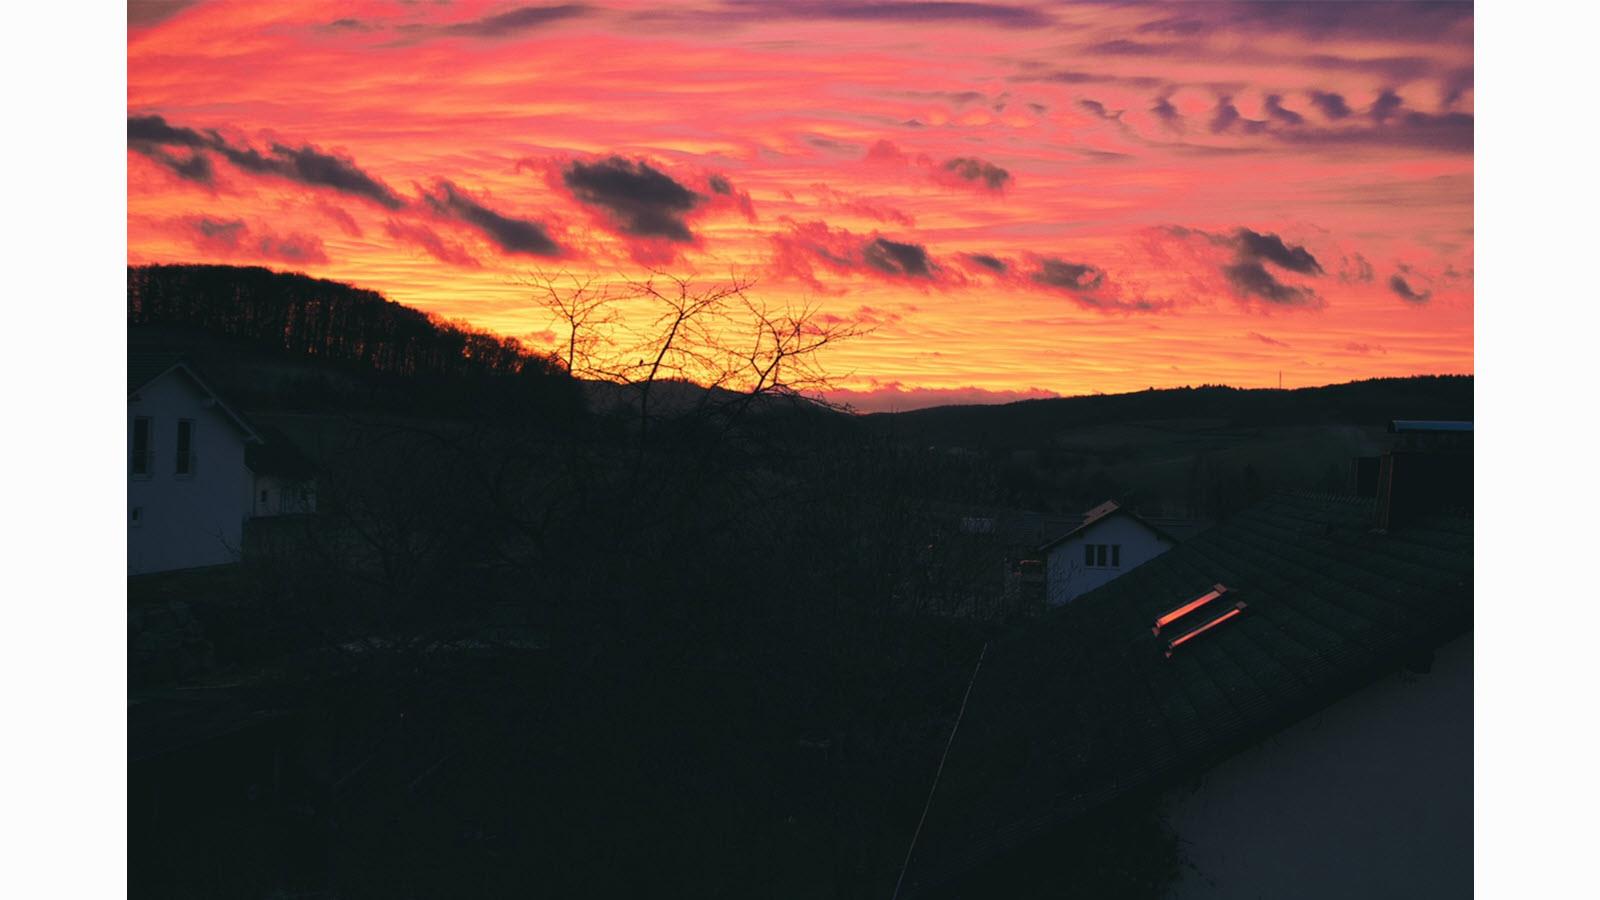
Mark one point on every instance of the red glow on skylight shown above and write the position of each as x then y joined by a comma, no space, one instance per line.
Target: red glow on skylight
1217,590
1188,636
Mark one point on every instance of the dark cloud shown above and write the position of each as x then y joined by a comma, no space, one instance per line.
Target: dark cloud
1251,279
1099,109
1227,118
306,164
1248,274
1332,105
223,231
1123,47
350,25
1404,291
806,246
1274,108
143,13
311,166
1186,27
1270,341
831,145
155,130
912,13
1456,83
1059,273
151,136
523,236
975,170
515,21
992,263
1383,108
1432,21
1089,287
1166,112
1077,77
1398,68
896,258
195,167
959,98
719,185
1450,132
1359,347
1271,248
640,200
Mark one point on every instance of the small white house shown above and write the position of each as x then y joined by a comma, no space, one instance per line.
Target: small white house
1109,542
189,490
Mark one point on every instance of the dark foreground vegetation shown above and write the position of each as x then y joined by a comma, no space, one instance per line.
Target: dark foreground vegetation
652,640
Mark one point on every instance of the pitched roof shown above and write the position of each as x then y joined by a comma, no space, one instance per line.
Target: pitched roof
146,366
1097,515
1084,705
278,455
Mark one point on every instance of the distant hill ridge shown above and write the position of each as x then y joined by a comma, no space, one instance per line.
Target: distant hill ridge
1373,402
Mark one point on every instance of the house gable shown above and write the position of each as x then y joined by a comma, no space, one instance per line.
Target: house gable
1110,542
146,370
188,488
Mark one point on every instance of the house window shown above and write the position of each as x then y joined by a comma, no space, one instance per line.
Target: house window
1102,556
185,459
136,516
140,463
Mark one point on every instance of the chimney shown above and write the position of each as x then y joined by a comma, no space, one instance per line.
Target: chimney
1427,469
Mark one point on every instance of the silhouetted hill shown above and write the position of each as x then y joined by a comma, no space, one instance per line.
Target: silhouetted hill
1031,423
288,341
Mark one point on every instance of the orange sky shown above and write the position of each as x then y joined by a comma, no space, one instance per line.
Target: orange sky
1017,199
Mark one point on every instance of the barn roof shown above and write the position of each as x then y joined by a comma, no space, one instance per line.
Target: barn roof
145,367
1097,515
1085,705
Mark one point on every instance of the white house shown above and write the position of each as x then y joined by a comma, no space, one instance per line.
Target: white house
189,490
1109,542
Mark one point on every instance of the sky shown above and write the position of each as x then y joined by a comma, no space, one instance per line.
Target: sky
1009,200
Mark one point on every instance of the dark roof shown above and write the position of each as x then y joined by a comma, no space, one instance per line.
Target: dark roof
167,721
1401,426
277,455
1099,514
145,366
1083,705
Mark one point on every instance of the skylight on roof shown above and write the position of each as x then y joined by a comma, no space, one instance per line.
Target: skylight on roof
1237,610
1217,590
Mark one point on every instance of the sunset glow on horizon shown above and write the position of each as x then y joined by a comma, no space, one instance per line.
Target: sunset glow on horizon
1015,199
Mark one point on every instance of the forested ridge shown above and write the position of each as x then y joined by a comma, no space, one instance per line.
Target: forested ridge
319,318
